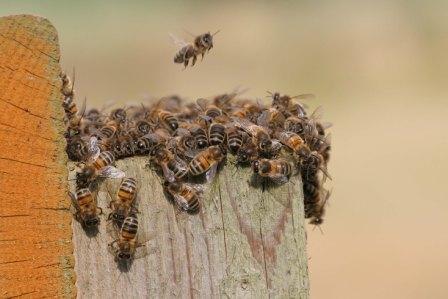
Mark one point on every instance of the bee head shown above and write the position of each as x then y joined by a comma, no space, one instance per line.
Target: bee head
143,127
91,222
207,40
174,125
124,256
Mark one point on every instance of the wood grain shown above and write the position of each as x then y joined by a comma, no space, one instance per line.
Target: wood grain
245,243
35,232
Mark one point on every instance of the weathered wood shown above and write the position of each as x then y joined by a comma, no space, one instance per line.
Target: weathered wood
35,232
244,243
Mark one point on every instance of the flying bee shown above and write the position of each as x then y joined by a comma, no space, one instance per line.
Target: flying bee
202,44
124,200
166,118
125,246
234,138
207,161
173,167
98,165
278,170
216,134
87,210
185,196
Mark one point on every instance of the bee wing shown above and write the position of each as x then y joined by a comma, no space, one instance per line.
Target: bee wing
181,202
210,174
326,125
178,41
276,145
317,114
244,125
93,149
305,96
263,119
168,174
279,179
111,172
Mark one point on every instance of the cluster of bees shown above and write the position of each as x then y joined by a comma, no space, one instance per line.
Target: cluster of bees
189,140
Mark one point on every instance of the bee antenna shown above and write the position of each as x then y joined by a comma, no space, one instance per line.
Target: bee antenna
74,77
216,32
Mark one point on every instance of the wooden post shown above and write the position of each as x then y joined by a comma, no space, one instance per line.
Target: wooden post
243,243
35,234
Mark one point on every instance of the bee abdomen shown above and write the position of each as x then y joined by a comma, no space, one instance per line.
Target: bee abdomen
193,206
130,227
234,140
217,134
201,138
199,165
127,189
104,159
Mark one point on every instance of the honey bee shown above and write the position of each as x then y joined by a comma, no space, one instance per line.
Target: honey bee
125,246
185,196
247,152
278,170
124,201
166,118
286,105
87,210
183,145
123,147
202,44
207,161
317,210
199,133
118,116
234,138
322,145
271,118
216,134
209,110
173,167
67,84
98,165
266,146
294,142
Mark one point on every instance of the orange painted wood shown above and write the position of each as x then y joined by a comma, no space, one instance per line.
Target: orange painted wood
35,222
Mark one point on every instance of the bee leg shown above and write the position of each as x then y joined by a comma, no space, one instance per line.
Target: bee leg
186,61
202,54
194,60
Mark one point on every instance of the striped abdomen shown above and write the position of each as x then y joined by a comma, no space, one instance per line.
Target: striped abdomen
168,119
191,198
200,135
201,163
84,198
234,139
178,170
217,134
129,228
104,159
127,190
107,132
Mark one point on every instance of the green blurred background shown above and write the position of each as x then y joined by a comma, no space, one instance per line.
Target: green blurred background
380,70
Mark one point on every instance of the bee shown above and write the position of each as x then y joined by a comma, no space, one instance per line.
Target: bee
98,165
294,142
173,167
185,196
207,161
124,247
124,200
278,170
247,152
271,118
87,210
317,210
286,105
234,138
199,134
118,116
77,148
322,145
123,147
266,146
202,44
216,134
209,110
67,84
166,118
183,145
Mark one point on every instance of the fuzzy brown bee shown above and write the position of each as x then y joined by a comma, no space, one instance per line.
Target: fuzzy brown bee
201,45
278,170
87,210
98,165
234,139
216,134
124,200
124,247
173,168
185,196
207,161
